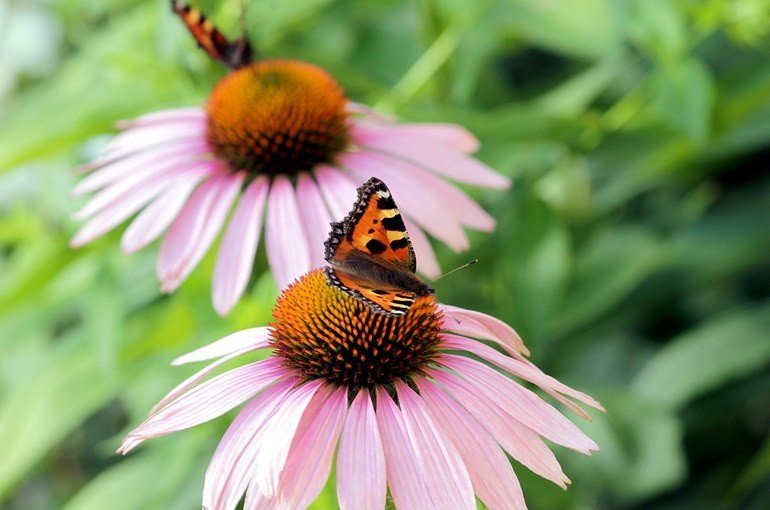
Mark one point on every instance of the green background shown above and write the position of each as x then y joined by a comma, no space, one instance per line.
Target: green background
632,252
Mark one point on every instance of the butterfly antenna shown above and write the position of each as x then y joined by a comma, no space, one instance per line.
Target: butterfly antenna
242,8
467,264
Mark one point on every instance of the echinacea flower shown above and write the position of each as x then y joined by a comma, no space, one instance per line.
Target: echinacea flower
421,405
280,145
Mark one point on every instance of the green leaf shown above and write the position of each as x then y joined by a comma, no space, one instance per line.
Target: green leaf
608,269
133,484
641,452
684,95
722,349
580,28
658,27
63,391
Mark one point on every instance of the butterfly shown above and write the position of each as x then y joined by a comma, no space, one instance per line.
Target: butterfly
370,255
235,54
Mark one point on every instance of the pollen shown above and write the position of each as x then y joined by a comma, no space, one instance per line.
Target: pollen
322,333
277,117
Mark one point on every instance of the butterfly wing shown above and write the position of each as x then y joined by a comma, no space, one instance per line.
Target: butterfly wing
235,54
374,227
380,298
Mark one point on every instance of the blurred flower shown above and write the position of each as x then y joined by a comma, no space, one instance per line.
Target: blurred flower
278,134
390,394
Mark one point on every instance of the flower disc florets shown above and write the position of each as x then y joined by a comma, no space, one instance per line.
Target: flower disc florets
277,116
321,332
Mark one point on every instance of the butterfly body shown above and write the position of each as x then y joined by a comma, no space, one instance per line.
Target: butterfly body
235,54
370,255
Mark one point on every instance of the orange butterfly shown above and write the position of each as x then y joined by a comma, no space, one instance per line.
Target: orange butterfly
370,254
234,54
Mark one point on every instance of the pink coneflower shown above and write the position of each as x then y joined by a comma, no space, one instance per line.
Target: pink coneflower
279,144
420,405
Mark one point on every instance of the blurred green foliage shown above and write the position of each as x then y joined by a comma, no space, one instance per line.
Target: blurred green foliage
632,254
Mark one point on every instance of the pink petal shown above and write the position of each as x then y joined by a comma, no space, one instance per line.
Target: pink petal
286,244
120,210
310,459
522,369
194,230
480,325
427,263
172,115
238,248
141,166
519,441
522,403
366,111
447,477
452,164
154,134
277,436
430,213
154,219
205,402
361,483
338,190
406,473
461,206
451,136
137,184
315,218
254,338
232,465
200,375
491,474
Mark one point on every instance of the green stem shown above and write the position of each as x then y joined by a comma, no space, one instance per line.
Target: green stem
430,61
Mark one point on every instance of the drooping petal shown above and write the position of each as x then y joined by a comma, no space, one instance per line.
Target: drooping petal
238,247
522,369
519,441
285,240
151,135
315,218
361,482
277,436
200,375
431,214
406,474
154,219
528,408
491,474
451,136
448,481
171,115
232,466
121,209
141,166
369,112
205,402
452,164
310,459
463,208
191,235
338,190
254,338
480,325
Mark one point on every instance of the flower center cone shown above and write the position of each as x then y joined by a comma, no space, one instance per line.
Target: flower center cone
277,117
321,332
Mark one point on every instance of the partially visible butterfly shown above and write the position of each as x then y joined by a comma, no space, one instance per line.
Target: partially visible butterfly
234,54
370,255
